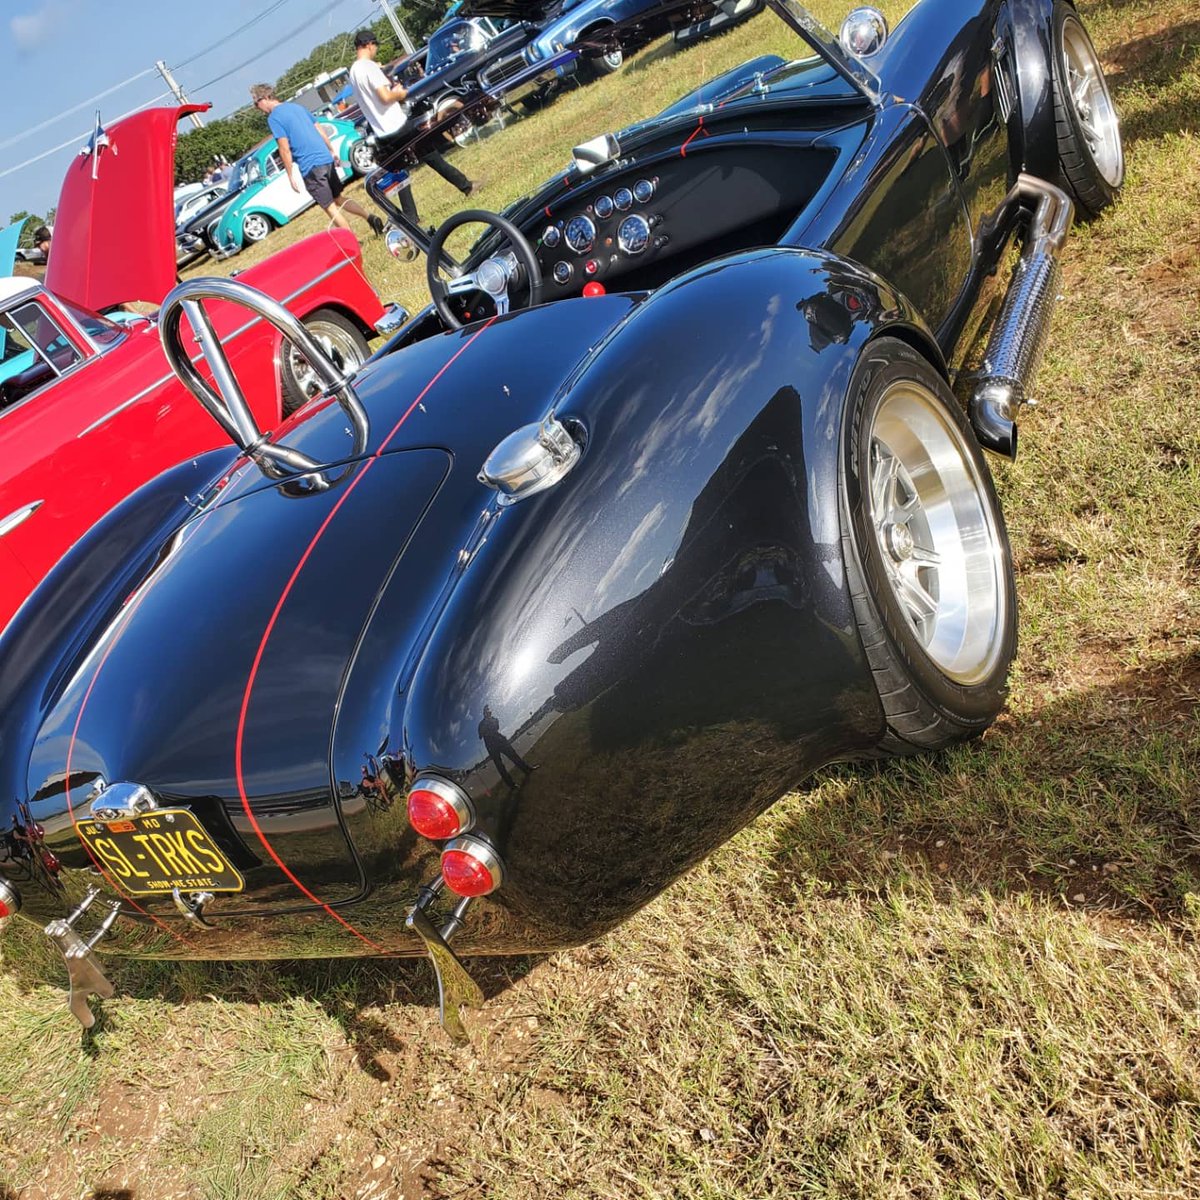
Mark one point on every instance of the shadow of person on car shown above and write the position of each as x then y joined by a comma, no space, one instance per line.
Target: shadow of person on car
1090,799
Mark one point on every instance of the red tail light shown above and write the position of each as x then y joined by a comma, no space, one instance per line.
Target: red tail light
471,867
439,810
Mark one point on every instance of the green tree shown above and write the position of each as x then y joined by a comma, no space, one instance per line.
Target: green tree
32,222
230,137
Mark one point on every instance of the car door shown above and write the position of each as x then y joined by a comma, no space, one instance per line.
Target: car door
277,192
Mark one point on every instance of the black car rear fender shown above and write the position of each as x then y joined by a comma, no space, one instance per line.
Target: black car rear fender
1032,127
57,626
666,634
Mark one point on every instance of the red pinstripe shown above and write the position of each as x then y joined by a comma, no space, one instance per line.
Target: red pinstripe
262,646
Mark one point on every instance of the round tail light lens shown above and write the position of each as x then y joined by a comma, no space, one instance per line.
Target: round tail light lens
471,867
439,810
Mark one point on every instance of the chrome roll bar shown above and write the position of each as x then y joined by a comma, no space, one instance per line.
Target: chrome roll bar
225,401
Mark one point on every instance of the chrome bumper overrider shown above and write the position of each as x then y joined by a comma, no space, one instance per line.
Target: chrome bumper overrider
394,317
1018,338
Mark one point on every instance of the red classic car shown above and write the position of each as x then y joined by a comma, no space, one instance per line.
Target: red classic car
89,409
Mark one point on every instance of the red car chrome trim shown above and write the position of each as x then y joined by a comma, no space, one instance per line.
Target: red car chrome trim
287,300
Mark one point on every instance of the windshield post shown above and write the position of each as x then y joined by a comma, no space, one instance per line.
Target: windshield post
829,48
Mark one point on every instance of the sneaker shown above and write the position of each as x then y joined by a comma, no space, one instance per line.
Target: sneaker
376,224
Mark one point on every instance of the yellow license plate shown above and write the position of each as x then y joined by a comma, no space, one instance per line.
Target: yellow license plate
155,852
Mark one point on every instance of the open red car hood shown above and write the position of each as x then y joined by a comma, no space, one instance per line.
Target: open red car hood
122,179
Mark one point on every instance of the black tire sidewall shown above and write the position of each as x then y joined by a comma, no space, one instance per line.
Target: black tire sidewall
1077,166
292,396
885,361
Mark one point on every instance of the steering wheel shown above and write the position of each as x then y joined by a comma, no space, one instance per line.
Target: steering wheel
492,276
223,398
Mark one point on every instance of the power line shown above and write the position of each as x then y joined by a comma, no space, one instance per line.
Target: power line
187,62
67,112
31,130
80,138
299,29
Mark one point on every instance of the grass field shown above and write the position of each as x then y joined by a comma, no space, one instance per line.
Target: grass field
968,976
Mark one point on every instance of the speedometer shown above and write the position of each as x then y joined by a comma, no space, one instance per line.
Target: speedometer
633,236
580,234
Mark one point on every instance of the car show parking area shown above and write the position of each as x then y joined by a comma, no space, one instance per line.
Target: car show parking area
968,974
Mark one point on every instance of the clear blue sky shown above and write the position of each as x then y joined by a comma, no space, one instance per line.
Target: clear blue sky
56,55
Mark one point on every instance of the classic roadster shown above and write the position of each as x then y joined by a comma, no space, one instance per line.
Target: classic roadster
673,495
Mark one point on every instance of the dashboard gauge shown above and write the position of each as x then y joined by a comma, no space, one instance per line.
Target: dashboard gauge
623,199
634,234
563,272
603,207
580,234
551,236
643,190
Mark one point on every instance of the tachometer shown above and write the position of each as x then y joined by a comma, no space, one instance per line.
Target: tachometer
580,234
633,236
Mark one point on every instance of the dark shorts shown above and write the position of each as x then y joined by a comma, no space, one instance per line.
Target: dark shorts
324,184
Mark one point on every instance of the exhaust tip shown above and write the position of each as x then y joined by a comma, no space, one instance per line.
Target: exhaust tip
990,412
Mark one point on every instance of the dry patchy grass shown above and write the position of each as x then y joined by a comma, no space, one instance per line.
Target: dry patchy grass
973,976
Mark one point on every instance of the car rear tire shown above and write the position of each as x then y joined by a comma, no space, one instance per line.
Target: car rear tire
362,158
1091,158
343,342
927,554
606,64
255,227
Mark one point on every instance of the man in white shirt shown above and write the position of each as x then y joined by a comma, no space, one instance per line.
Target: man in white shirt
382,104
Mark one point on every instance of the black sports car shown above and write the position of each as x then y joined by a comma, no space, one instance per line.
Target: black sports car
673,495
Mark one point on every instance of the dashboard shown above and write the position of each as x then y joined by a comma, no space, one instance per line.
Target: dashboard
729,198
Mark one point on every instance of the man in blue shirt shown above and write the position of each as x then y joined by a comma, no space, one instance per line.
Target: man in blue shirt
303,142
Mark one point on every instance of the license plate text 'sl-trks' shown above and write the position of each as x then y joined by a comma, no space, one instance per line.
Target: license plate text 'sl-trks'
156,852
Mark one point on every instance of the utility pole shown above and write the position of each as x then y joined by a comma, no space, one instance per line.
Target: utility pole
390,13
180,95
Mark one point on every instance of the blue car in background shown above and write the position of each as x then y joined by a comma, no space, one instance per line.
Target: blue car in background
265,197
610,29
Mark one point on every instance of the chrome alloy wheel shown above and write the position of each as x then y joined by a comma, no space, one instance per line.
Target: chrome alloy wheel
338,344
938,538
1092,103
256,227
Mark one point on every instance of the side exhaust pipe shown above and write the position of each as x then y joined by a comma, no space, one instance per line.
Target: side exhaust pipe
1018,340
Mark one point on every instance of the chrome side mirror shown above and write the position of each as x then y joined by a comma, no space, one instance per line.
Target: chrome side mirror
595,153
863,32
400,246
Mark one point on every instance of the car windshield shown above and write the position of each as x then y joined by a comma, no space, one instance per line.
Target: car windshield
245,171
100,329
462,37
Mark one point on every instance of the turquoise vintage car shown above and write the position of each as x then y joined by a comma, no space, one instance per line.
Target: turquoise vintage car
267,198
